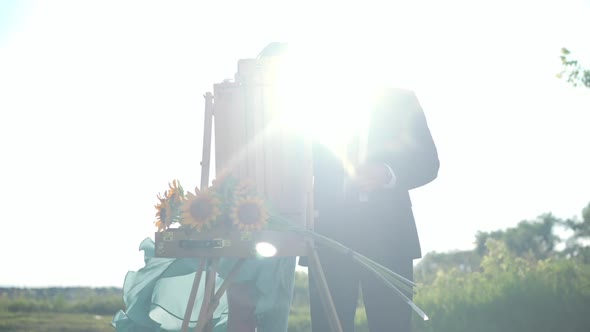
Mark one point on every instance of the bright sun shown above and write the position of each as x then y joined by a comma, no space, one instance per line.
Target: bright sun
326,97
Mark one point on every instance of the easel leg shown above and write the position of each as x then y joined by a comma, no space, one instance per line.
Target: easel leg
193,296
224,285
325,295
204,322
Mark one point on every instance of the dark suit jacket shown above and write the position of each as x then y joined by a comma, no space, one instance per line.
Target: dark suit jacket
384,225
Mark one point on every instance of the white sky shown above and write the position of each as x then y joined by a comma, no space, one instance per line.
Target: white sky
101,106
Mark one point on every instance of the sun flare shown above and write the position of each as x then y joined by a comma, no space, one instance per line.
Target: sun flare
326,97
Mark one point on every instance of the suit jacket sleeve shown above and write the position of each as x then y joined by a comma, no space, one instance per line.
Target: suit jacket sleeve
407,146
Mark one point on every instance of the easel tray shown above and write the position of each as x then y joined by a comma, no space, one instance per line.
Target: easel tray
178,243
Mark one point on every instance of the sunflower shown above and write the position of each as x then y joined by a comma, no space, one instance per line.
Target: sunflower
201,210
249,214
163,214
175,192
168,209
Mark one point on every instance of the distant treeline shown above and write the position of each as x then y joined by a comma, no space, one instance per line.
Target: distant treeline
70,293
98,301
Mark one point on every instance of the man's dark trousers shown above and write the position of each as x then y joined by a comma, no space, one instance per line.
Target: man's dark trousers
359,221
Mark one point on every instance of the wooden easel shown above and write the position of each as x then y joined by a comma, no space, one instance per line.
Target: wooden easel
210,248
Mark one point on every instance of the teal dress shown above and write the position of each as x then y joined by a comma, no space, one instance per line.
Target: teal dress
156,295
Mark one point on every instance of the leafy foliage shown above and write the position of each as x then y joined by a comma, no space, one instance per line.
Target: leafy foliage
510,293
434,263
575,73
577,245
529,238
514,280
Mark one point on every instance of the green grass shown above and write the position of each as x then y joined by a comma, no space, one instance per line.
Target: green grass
54,322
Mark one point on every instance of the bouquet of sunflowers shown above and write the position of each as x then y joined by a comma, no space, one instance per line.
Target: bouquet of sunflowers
227,203
232,203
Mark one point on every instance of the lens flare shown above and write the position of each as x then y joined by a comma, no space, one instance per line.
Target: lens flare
266,249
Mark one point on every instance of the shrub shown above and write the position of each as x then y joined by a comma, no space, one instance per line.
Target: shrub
509,294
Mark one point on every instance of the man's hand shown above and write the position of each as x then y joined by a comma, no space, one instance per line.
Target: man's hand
371,176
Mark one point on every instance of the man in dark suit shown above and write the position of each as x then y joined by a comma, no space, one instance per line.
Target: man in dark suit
369,210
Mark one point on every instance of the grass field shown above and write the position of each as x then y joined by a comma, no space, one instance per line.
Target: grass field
77,322
53,322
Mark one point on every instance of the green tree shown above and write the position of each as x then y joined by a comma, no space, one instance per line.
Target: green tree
434,263
535,239
574,73
577,246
